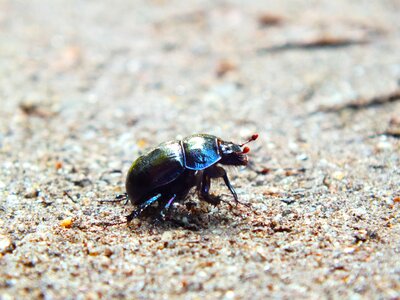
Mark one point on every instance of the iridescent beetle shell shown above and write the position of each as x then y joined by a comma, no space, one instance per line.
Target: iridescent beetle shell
170,170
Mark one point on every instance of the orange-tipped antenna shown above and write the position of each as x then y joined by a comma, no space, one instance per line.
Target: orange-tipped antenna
246,150
252,138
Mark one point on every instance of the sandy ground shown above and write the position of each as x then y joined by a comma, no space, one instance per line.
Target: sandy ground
87,86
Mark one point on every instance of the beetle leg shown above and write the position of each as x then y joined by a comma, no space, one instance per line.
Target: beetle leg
205,190
118,198
167,207
205,185
217,172
230,187
141,208
123,196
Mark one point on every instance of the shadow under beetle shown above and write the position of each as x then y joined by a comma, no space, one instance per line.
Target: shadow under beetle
167,173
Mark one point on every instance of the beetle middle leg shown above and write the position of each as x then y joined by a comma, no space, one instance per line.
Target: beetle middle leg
205,187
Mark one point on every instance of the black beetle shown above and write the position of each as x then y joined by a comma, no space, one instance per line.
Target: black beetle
168,172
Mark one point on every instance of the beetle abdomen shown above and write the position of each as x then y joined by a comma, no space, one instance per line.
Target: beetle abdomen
154,169
201,151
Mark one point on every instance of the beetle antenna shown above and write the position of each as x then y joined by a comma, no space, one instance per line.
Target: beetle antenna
252,138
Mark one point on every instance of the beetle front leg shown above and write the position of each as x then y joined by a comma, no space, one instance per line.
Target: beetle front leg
218,172
223,174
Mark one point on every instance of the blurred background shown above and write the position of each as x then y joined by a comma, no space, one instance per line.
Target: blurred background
87,86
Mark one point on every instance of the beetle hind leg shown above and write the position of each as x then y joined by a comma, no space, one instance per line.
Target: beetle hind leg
118,198
137,212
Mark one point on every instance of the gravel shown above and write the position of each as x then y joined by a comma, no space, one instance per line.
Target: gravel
87,86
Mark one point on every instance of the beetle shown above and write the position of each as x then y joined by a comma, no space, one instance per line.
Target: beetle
167,172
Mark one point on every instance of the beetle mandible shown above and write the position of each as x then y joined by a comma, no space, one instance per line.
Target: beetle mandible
167,173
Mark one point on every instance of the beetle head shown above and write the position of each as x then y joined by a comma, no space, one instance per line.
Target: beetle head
233,154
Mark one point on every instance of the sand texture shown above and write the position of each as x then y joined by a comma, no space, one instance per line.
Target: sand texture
88,86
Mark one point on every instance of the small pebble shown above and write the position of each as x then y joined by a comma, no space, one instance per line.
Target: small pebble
66,223
349,250
5,244
338,175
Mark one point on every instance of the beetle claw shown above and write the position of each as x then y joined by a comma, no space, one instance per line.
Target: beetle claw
131,216
163,216
214,200
227,202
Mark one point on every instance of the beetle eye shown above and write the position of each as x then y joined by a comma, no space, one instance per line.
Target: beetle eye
226,149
